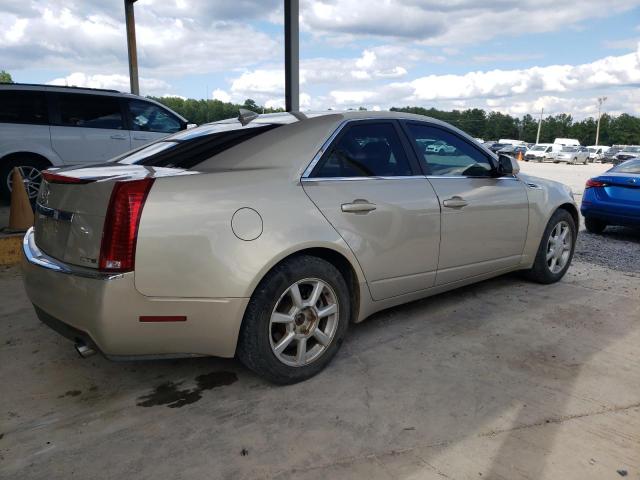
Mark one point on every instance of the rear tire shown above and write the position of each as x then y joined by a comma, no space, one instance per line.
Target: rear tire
594,225
281,320
552,246
30,167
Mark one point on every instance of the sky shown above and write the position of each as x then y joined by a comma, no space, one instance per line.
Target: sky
513,56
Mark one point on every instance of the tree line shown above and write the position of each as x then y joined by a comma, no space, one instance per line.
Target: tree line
614,130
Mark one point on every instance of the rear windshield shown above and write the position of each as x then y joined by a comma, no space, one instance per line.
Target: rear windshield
189,148
569,149
631,149
631,166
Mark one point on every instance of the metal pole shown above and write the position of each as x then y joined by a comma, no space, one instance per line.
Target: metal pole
601,100
539,126
291,55
131,46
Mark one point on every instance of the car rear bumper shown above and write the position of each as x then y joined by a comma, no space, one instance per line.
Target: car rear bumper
611,215
109,314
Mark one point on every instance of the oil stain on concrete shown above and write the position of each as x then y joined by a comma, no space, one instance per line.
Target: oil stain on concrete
172,396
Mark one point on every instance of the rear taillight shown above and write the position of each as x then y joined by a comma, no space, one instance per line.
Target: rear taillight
594,183
119,236
59,178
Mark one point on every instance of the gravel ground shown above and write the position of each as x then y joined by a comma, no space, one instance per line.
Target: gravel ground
618,247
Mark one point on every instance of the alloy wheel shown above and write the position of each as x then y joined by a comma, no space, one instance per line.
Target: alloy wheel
31,177
304,322
559,247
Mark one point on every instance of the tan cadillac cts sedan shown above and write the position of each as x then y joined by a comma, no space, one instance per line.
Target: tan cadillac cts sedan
263,237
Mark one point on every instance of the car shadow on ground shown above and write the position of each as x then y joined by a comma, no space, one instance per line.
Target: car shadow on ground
423,378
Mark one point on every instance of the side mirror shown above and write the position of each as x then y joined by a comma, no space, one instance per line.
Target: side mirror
191,125
507,165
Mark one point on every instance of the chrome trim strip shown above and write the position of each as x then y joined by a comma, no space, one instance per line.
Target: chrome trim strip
399,177
325,145
358,179
54,213
37,257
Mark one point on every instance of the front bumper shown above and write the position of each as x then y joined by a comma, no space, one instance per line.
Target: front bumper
104,311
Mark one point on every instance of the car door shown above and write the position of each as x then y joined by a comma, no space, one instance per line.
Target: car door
370,189
150,122
484,217
88,128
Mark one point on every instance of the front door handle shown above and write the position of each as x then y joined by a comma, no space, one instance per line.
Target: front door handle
358,206
118,136
455,202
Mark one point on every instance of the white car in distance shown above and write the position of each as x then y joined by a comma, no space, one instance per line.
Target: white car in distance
43,126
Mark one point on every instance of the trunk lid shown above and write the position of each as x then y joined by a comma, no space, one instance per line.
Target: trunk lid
621,187
69,216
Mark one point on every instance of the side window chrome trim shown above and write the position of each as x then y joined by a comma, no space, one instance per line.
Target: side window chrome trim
403,177
360,179
307,171
325,146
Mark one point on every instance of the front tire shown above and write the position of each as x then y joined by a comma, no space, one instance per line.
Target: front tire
296,320
556,249
593,225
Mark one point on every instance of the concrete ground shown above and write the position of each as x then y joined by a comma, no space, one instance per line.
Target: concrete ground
502,380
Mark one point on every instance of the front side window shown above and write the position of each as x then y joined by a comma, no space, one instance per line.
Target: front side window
366,150
452,156
148,117
23,106
90,111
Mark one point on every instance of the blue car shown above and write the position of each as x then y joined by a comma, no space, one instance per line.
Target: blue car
613,198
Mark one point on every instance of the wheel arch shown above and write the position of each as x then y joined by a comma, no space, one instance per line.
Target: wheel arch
338,260
569,207
24,154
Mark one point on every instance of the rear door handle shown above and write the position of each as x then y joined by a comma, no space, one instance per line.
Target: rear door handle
455,202
118,136
358,206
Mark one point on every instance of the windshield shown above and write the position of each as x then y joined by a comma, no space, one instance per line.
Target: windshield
631,166
569,149
631,149
539,148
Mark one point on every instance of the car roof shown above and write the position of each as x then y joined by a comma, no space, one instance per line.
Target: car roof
302,135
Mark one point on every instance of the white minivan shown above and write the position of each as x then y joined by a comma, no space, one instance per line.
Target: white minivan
44,125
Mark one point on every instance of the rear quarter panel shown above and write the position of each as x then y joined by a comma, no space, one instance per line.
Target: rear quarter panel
186,244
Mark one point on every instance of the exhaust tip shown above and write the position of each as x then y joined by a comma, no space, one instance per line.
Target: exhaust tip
84,350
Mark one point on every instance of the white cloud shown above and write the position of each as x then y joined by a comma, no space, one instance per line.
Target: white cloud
350,98
219,94
172,38
557,88
148,86
449,23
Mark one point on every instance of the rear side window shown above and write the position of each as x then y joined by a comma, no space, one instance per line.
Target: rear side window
147,117
90,111
23,106
366,150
